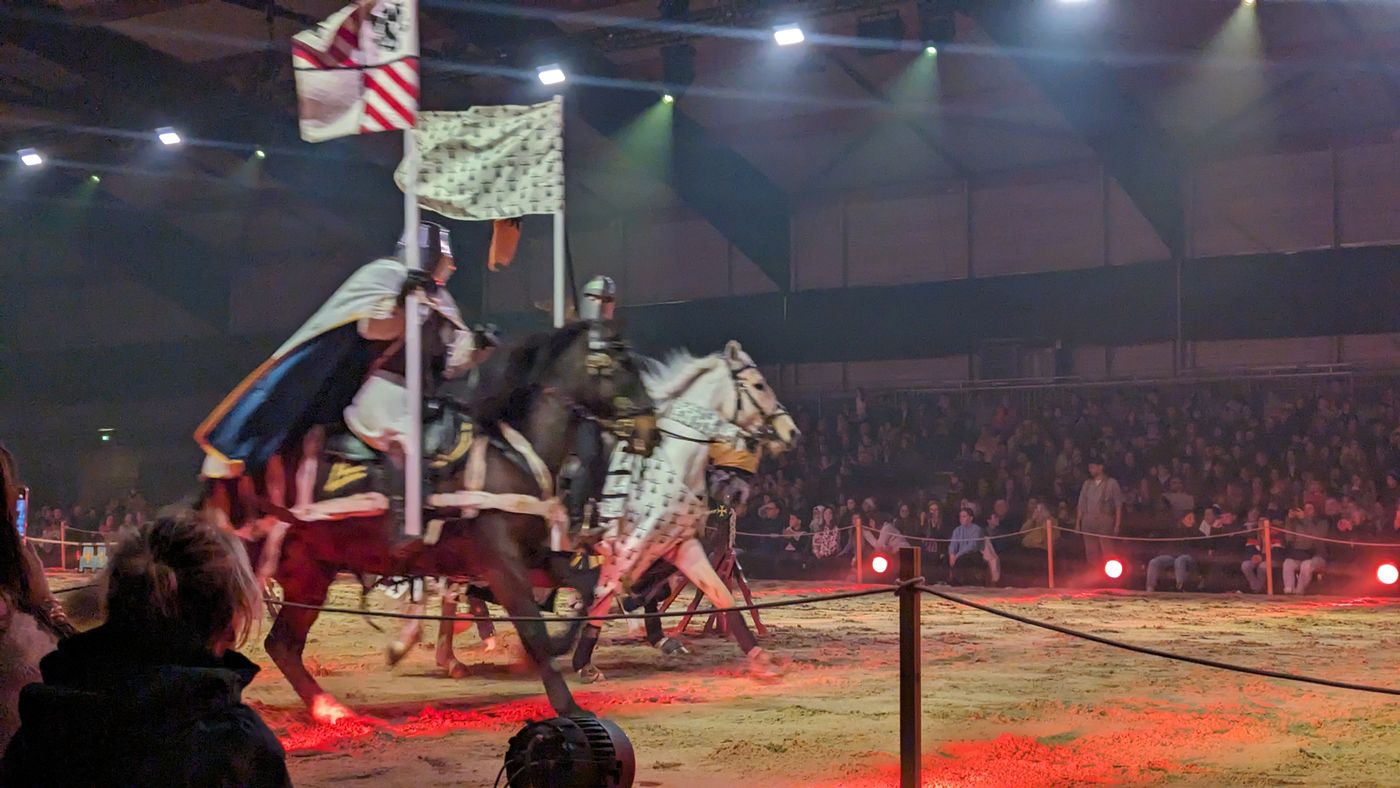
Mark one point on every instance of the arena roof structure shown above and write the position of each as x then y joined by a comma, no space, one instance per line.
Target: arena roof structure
1129,181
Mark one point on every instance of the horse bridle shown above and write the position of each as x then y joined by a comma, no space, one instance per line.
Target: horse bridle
742,391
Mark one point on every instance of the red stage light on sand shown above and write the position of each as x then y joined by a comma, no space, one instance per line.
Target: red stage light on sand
1388,574
880,564
1113,568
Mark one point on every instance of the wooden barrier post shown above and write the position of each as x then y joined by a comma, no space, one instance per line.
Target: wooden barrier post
910,673
1266,543
1050,552
859,521
63,546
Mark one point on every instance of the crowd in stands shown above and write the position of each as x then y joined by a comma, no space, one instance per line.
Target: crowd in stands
973,480
48,525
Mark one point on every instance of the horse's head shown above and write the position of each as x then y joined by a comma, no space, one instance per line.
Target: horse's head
600,375
757,410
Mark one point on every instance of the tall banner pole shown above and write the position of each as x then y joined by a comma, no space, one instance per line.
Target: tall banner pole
559,248
413,347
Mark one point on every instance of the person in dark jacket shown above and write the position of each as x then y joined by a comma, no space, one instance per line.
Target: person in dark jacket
153,696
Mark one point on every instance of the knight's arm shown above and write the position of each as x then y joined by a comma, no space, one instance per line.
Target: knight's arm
469,348
385,322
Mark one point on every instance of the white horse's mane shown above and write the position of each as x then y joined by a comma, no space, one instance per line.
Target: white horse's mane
669,377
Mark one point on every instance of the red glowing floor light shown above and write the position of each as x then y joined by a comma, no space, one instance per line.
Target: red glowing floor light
1388,574
879,564
1113,568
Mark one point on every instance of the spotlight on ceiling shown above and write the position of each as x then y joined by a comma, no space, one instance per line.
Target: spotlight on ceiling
787,35
551,74
95,178
168,136
678,67
930,50
260,153
1249,2
667,98
30,157
886,28
936,22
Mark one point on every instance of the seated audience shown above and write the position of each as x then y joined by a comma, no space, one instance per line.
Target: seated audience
1305,555
965,559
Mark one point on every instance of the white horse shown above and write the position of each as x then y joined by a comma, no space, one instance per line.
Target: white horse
655,507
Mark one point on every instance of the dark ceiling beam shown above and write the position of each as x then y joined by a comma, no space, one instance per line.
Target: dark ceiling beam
1134,149
929,139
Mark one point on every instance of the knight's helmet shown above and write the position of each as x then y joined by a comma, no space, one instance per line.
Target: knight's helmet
434,243
599,296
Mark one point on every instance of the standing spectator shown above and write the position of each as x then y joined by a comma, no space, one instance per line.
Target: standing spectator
1100,511
153,696
965,560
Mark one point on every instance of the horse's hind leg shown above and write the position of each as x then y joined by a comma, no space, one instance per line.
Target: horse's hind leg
446,657
695,565
409,635
287,639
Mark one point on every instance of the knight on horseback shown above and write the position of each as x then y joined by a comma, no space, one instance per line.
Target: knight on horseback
598,303
347,364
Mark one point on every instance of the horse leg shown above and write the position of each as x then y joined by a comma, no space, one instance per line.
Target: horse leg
409,635
446,657
511,586
484,628
695,565
287,639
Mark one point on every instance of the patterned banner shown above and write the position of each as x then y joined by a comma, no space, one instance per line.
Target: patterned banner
491,162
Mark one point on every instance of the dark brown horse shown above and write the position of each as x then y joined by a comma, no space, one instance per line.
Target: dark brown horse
551,382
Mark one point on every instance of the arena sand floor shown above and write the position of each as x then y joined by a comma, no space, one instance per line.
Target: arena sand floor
1005,704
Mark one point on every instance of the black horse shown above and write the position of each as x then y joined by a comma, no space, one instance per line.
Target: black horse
550,384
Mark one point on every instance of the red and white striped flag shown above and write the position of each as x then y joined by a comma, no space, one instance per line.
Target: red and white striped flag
357,73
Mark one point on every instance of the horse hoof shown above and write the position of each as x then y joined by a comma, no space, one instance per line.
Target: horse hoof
395,652
763,666
590,674
490,644
672,647
456,670
326,710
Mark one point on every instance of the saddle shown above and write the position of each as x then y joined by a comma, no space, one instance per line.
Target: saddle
353,479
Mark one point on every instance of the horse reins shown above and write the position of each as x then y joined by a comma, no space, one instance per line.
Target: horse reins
742,392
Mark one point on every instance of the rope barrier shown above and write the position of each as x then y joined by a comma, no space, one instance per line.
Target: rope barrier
73,588
1277,529
1202,661
1158,538
609,617
40,540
